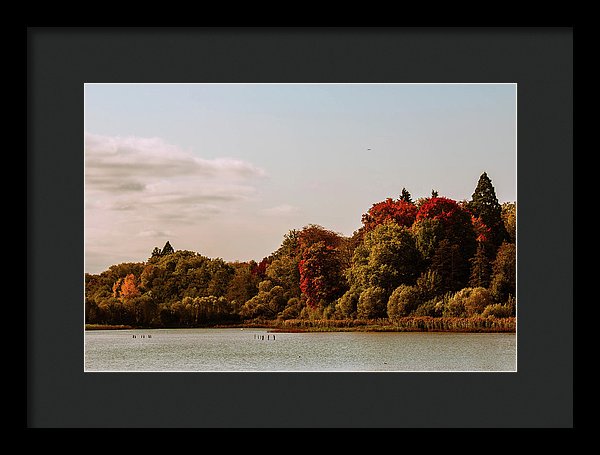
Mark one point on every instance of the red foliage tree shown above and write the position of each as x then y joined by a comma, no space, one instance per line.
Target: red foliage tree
443,209
456,239
260,270
482,232
399,211
321,276
313,233
320,265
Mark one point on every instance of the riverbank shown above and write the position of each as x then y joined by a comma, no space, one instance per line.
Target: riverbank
107,327
406,324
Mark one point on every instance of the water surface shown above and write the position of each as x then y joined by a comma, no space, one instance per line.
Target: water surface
245,350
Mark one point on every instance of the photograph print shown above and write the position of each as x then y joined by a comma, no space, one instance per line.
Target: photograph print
300,228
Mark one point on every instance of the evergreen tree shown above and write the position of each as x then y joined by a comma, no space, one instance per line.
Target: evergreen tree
450,263
481,267
167,249
484,204
405,196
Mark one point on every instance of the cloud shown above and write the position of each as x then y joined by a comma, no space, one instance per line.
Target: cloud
148,189
126,172
121,164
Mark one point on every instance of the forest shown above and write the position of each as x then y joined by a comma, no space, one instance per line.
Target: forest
433,258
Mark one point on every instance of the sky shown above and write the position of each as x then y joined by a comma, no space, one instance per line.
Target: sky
226,170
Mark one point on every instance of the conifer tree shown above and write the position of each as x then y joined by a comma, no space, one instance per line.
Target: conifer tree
484,204
405,196
481,267
167,249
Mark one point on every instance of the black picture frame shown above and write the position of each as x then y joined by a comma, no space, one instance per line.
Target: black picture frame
61,60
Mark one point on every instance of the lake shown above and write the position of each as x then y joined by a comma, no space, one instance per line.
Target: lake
231,350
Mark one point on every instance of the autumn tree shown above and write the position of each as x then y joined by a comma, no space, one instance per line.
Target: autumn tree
128,288
320,267
399,211
426,258
446,237
314,233
321,277
259,270
455,221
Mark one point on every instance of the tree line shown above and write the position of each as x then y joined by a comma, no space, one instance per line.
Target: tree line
433,257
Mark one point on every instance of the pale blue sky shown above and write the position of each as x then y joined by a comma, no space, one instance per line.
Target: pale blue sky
268,158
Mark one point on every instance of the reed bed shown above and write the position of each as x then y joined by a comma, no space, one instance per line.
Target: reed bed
406,324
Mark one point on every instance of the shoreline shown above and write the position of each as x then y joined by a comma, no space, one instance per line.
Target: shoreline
407,324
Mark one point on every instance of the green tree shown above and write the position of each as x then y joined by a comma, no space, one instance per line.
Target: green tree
242,286
290,246
387,258
429,285
504,273
372,303
481,267
346,306
292,309
403,301
428,232
470,301
284,270
509,218
450,264
268,303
